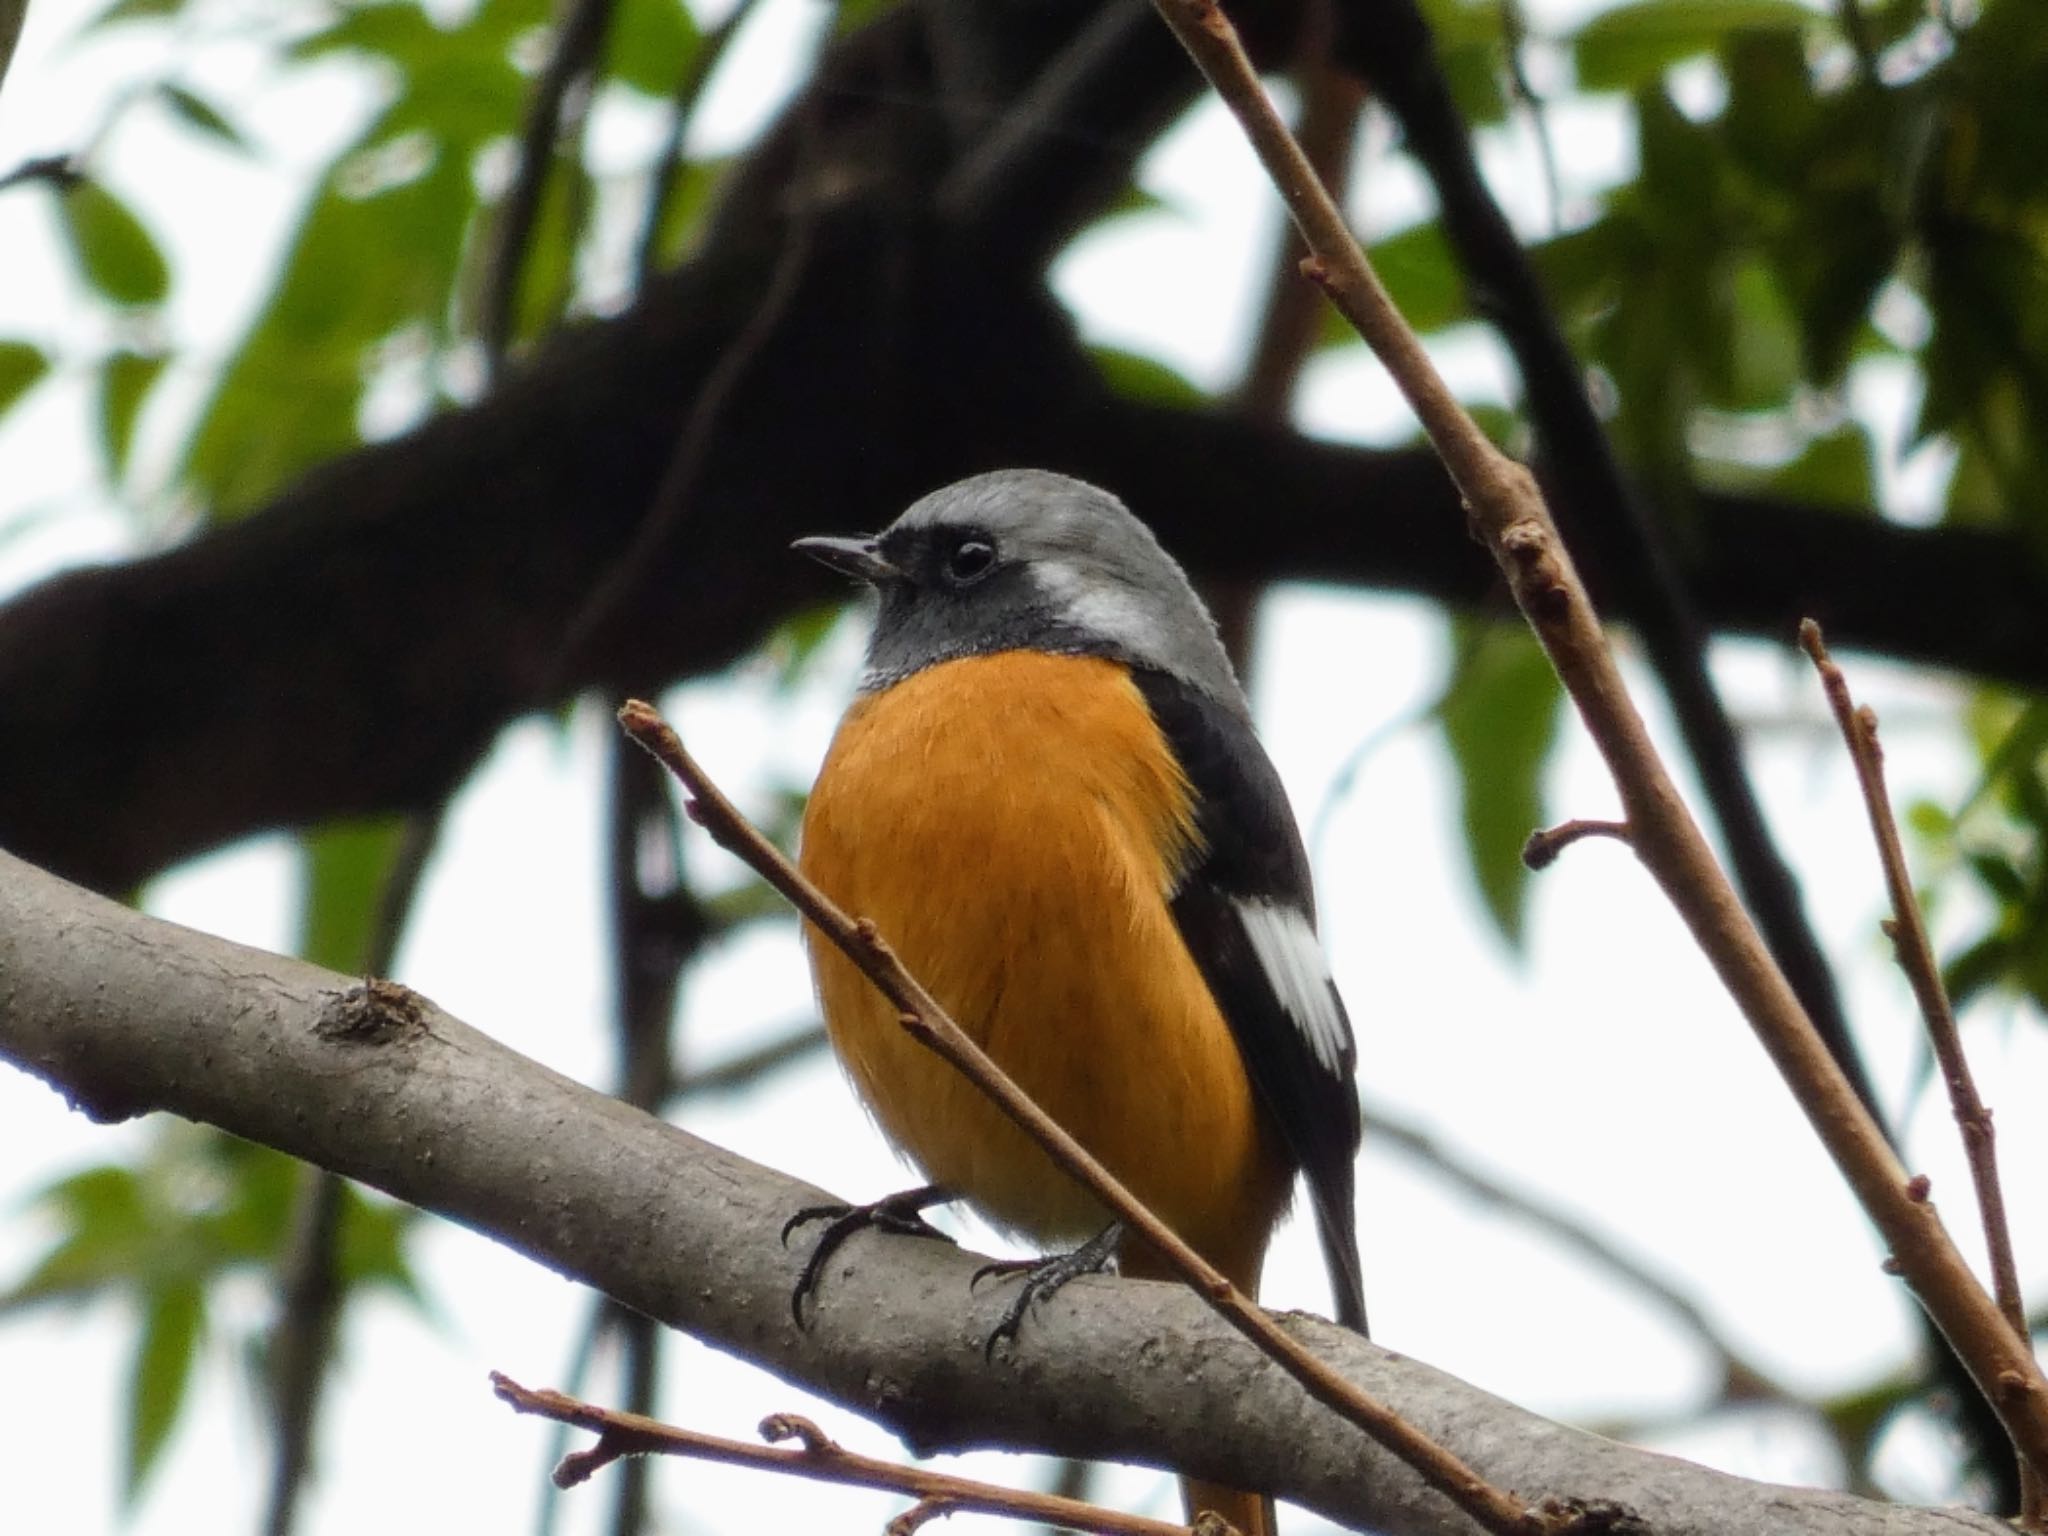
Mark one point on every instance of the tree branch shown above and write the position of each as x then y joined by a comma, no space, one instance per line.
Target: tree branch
124,1013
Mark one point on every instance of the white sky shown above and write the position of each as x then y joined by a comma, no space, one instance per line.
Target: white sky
1605,1072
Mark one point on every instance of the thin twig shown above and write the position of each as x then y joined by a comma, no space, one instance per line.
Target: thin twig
1546,843
1508,512
988,173
814,1456
745,1068
929,1023
1915,952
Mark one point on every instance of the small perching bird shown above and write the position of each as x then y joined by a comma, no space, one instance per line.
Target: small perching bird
1049,799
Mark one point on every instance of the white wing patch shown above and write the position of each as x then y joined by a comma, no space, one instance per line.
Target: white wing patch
1292,958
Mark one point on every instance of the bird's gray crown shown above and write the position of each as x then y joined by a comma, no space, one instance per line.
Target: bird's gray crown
1026,559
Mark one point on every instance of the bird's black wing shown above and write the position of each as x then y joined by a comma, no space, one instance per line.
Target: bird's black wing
1247,912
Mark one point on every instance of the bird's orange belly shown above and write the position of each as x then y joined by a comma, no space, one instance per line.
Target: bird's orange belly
1014,825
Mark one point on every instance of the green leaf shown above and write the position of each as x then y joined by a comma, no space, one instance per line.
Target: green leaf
1836,470
1999,875
690,197
1471,53
371,1250
174,1317
852,15
1146,378
103,1221
22,366
1422,276
2008,747
1977,968
794,643
650,45
346,868
378,254
1632,45
125,381
134,10
547,277
197,113
1930,822
1500,717
114,252
1761,367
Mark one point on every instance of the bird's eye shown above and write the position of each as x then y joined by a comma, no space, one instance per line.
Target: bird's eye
969,561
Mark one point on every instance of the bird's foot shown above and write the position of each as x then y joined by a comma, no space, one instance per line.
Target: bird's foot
1044,1277
898,1214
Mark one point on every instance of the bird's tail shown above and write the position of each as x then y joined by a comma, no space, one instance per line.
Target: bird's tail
1251,1513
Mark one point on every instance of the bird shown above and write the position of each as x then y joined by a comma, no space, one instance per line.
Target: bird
1049,798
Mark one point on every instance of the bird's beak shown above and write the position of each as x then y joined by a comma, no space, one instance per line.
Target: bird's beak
858,558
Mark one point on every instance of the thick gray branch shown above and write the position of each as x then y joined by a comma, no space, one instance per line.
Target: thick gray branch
126,1014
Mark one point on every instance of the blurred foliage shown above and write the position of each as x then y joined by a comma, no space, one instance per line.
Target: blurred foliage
1816,197
1993,846
159,1233
1499,715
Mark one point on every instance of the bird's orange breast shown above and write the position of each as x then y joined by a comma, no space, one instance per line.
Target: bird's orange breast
1014,825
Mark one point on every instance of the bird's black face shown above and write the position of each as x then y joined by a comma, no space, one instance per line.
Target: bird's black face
945,559
946,590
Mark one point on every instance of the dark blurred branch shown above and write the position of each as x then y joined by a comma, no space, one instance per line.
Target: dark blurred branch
1610,531
668,165
300,1348
301,1343
657,929
1331,104
745,1069
1741,1378
995,163
578,38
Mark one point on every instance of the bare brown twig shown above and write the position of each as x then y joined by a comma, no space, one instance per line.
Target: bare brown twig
922,1015
1546,843
1509,514
813,1456
1908,932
